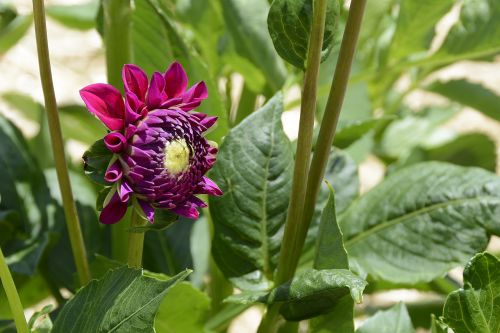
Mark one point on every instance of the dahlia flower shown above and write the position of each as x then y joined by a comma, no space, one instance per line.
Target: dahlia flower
160,155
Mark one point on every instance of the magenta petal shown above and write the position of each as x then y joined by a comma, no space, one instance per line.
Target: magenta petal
209,187
124,191
197,202
114,210
197,92
133,107
209,121
176,80
156,92
115,142
113,173
105,102
148,210
188,211
135,81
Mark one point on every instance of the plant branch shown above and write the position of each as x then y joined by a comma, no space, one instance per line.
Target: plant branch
117,40
12,296
288,253
72,221
331,116
135,241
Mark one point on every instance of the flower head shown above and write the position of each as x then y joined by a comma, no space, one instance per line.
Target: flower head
160,153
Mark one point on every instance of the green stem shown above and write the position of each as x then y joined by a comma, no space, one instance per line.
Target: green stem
289,253
135,241
330,119
12,296
218,286
72,221
269,323
118,43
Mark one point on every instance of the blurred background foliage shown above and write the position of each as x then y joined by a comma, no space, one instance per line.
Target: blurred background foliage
425,86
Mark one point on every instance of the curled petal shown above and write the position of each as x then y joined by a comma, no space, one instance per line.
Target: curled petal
175,80
209,121
148,210
156,93
105,102
113,173
133,107
113,211
187,210
135,81
115,142
207,186
124,191
194,96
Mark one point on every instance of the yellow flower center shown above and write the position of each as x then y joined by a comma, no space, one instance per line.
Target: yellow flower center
176,156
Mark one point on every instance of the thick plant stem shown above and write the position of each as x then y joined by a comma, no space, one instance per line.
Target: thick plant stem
218,287
12,296
331,115
289,253
117,40
72,221
269,323
135,241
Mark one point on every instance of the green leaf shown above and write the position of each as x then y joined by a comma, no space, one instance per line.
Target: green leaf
422,221
339,320
169,251
474,308
246,24
77,116
24,104
96,160
58,265
200,250
40,321
470,94
315,292
474,149
413,130
437,326
155,52
357,105
475,35
416,26
71,116
351,131
289,23
23,189
7,326
124,300
254,171
14,29
79,16
164,45
205,18
396,319
185,309
342,172
330,251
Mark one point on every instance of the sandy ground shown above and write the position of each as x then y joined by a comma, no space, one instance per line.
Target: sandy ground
77,60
